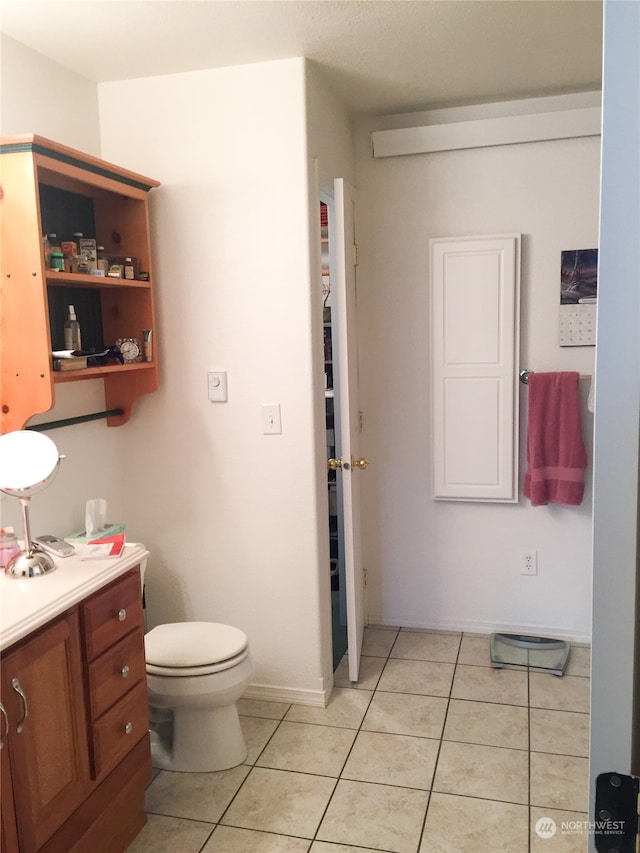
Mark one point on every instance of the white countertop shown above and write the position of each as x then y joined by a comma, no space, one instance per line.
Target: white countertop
29,603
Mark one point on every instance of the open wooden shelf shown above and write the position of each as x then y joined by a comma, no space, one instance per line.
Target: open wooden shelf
69,279
49,188
98,372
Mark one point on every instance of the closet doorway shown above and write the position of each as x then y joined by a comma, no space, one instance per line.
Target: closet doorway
336,569
347,464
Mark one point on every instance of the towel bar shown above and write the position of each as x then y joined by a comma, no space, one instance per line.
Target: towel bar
80,419
524,376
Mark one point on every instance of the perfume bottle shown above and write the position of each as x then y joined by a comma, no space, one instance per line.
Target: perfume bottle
9,546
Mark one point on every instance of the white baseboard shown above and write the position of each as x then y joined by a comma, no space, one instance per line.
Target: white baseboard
271,693
473,627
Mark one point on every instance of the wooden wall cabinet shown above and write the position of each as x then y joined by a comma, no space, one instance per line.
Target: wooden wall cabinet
75,753
49,188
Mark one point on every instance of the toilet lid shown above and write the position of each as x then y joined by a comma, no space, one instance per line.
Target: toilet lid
188,644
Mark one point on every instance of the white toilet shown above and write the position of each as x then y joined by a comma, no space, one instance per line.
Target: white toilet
196,671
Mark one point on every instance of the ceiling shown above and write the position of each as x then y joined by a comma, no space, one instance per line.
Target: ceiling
382,56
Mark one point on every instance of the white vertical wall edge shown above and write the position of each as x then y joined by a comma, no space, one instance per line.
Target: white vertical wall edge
474,320
481,133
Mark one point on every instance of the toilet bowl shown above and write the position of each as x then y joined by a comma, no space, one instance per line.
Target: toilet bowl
196,672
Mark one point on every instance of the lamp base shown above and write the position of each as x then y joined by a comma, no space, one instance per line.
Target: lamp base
29,564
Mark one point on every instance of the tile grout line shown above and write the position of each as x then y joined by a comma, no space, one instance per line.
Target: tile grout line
358,730
252,766
435,766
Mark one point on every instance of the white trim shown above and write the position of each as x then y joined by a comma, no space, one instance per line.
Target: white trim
271,693
481,133
479,627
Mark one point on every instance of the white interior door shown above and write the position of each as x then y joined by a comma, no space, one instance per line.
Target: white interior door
352,472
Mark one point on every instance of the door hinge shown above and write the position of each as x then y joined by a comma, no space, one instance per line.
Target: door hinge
360,420
356,254
364,578
617,808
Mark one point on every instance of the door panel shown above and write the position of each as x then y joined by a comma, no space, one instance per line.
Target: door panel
346,303
43,694
475,343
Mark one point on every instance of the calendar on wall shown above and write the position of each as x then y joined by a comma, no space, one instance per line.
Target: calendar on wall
578,325
578,297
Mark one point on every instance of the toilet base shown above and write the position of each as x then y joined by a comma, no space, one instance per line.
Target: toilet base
204,740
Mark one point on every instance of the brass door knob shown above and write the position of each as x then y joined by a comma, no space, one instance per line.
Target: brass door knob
332,464
359,463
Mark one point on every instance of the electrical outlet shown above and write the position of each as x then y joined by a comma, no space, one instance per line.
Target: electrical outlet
529,564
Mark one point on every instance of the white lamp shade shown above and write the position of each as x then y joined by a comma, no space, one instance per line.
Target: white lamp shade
28,460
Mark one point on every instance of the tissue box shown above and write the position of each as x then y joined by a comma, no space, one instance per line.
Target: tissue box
81,538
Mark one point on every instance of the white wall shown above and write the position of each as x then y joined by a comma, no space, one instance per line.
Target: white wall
40,96
329,131
35,97
230,515
445,564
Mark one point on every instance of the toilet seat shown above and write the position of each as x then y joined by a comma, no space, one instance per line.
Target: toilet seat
183,671
194,648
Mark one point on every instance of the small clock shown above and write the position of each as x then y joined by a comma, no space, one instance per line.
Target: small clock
130,348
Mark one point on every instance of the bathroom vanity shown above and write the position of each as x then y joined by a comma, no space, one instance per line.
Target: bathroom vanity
74,755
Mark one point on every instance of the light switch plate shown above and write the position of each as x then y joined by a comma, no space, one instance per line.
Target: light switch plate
271,420
217,386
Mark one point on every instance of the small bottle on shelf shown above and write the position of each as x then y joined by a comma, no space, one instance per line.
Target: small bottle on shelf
69,250
56,260
55,256
130,268
46,250
81,261
103,261
72,337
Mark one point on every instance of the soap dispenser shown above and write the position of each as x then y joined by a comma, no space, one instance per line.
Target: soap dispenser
72,338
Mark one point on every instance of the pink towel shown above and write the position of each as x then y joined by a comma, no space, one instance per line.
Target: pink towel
556,457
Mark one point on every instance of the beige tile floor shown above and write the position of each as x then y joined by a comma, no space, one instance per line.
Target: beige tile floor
433,751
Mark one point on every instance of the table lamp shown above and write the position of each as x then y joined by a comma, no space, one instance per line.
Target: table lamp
28,462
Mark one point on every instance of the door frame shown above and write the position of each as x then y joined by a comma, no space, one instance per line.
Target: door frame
616,577
353,577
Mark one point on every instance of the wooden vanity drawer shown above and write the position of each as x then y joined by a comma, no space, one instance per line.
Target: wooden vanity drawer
119,729
112,613
115,672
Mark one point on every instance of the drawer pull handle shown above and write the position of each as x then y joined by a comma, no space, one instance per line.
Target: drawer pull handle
16,686
128,728
124,672
122,615
6,724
